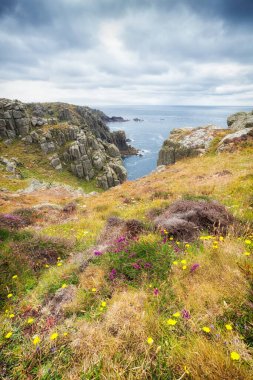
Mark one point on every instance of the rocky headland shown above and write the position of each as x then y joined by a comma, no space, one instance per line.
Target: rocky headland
72,137
190,142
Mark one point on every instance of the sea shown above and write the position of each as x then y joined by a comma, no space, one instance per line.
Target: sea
157,122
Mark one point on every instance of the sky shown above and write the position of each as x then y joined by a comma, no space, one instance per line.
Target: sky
127,52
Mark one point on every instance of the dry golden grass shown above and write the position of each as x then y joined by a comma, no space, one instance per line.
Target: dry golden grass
92,277
216,283
121,333
208,359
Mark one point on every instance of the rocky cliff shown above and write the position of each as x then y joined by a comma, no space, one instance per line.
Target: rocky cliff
186,142
189,142
72,137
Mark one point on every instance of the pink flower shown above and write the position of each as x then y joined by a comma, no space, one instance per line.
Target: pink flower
194,267
186,314
136,266
98,253
156,291
112,274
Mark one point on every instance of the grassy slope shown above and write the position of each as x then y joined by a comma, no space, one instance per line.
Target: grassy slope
37,165
109,341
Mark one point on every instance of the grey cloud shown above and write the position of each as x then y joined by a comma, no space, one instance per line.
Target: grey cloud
127,49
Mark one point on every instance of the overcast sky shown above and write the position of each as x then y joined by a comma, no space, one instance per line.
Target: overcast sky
127,51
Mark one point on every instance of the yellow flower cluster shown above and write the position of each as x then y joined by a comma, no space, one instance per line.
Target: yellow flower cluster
183,262
103,305
173,321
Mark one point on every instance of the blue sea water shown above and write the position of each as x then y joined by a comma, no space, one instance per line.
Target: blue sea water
158,121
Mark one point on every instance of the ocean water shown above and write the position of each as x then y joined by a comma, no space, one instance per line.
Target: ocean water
158,121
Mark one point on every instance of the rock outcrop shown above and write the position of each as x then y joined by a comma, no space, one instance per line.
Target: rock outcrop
14,119
186,142
241,126
240,120
72,137
233,140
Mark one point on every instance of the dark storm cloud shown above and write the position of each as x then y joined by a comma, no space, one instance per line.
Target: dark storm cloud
127,51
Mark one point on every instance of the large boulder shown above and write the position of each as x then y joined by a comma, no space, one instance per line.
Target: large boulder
240,120
186,142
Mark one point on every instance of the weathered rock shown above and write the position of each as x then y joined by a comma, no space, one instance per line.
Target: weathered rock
112,150
231,141
120,140
186,142
14,119
240,120
55,162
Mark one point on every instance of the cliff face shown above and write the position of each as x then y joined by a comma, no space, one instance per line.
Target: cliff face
72,137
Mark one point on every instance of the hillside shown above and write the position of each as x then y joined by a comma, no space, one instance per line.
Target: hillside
92,290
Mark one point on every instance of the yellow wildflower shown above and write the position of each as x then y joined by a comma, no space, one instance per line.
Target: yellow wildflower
9,295
229,327
64,286
59,264
187,245
11,315
206,329
150,341
171,322
171,238
247,253
59,258
94,290
46,266
177,314
103,304
183,261
184,267
15,276
8,335
65,333
54,336
221,238
177,242
175,263
36,340
186,370
30,321
247,241
235,356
